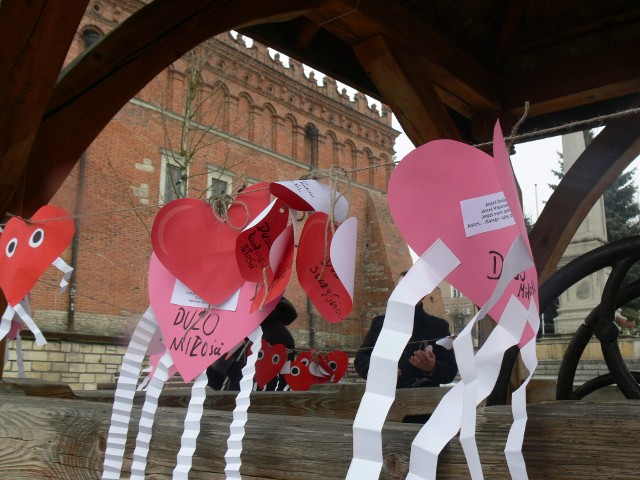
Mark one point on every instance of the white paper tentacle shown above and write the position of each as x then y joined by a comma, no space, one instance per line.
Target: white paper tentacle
456,411
513,448
430,269
191,428
28,321
19,356
66,269
147,417
5,322
125,391
243,399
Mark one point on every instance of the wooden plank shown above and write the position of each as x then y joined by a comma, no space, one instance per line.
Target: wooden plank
337,401
96,86
35,37
596,168
411,96
66,439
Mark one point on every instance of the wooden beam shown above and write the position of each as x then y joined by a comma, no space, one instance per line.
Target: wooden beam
95,86
594,170
35,38
447,64
510,20
575,81
410,95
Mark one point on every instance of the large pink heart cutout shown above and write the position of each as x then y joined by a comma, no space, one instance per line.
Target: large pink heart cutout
199,248
196,337
425,194
28,249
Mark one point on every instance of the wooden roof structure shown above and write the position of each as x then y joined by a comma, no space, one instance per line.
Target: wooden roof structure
447,69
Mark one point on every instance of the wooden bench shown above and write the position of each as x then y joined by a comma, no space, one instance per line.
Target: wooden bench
43,438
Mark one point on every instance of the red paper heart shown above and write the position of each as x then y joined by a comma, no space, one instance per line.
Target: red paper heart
316,273
270,362
300,377
254,243
337,361
27,249
198,336
278,283
198,248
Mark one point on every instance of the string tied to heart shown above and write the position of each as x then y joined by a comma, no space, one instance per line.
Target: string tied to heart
221,205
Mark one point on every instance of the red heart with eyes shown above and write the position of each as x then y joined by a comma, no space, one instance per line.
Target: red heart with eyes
271,359
198,248
28,248
300,376
337,363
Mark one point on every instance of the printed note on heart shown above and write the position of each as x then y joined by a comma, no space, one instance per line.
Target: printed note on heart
28,249
199,248
197,336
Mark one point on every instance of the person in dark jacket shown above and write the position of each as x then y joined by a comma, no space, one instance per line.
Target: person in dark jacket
422,363
226,373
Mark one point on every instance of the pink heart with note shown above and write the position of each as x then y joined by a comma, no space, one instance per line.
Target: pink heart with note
196,336
454,192
199,248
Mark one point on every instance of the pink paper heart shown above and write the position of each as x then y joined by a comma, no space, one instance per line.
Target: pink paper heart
425,194
199,248
197,336
28,249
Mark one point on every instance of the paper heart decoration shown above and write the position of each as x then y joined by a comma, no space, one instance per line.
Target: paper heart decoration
300,376
319,263
281,256
28,248
310,195
199,248
271,359
337,363
254,243
452,191
194,336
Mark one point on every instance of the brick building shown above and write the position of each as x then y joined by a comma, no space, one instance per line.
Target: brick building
259,120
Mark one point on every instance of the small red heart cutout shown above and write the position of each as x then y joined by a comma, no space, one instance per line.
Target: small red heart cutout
271,359
28,248
337,362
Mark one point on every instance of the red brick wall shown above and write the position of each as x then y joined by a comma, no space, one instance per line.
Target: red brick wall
264,108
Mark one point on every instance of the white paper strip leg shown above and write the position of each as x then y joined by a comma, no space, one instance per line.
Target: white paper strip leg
125,391
243,399
19,357
5,323
459,405
66,269
28,321
147,416
430,269
513,448
191,428
447,418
